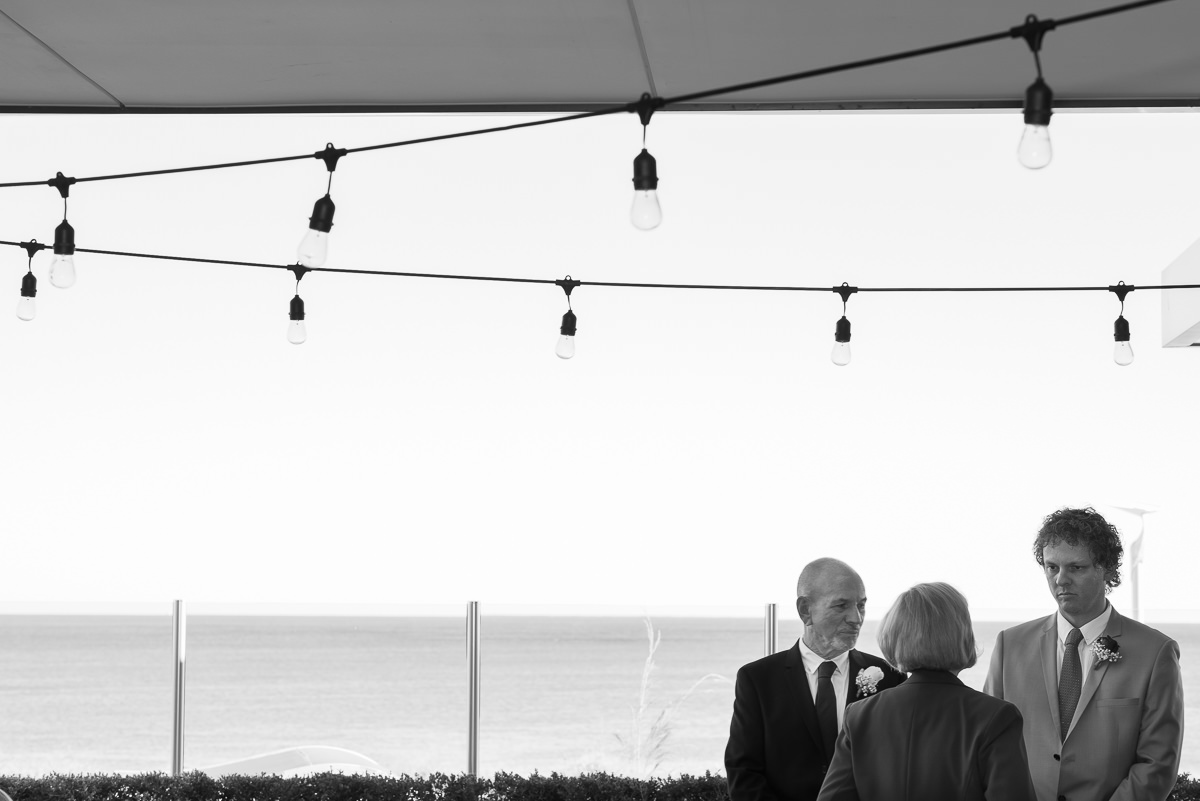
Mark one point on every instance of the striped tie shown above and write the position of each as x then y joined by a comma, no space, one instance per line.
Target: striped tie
1070,681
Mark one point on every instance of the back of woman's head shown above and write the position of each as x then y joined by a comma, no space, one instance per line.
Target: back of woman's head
928,627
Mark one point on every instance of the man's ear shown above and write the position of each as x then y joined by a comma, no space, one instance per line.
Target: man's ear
803,610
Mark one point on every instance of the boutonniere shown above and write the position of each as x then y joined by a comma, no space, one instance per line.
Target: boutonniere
868,680
1105,649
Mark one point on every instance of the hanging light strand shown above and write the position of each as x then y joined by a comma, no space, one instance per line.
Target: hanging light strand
616,284
1019,31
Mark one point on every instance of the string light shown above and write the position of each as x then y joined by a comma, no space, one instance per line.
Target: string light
26,306
62,267
566,343
1031,26
1034,150
1122,352
566,340
314,247
297,330
841,335
646,213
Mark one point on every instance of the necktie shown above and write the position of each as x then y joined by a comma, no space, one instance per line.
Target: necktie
1070,680
827,707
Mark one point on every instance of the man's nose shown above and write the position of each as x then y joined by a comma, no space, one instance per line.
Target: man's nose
855,616
1060,578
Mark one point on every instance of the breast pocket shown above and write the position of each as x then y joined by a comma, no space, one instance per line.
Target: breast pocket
1121,720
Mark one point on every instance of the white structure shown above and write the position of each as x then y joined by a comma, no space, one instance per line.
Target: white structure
1181,307
302,761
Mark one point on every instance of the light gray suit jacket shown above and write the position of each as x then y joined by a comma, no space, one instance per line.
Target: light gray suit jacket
1124,740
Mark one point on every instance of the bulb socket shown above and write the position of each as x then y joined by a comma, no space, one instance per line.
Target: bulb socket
322,216
842,333
645,171
29,286
568,324
297,310
64,239
1121,329
1039,101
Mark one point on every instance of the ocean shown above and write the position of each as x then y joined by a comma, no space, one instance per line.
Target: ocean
94,693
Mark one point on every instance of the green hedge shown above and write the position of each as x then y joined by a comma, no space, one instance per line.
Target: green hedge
436,787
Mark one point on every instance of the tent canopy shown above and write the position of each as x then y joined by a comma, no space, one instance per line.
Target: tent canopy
529,55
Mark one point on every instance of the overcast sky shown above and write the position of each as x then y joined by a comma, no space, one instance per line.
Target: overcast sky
164,440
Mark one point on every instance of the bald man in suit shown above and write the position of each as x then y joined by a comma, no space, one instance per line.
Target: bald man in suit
1101,695
789,706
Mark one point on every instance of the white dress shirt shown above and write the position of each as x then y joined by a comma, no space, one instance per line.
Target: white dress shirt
1090,631
840,677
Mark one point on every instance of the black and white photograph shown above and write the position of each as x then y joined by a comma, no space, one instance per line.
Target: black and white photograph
620,399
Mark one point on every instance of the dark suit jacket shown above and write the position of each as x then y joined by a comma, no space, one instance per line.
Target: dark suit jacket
934,738
774,751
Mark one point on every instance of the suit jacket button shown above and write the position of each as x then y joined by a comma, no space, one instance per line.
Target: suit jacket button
1057,758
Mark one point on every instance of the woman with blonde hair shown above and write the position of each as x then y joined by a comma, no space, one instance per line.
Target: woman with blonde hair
932,737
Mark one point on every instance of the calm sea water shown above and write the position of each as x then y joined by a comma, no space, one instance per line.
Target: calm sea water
93,694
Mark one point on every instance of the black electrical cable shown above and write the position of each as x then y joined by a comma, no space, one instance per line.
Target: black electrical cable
619,284
907,54
658,102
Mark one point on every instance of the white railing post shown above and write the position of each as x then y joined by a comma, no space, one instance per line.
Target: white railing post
770,629
179,625
473,688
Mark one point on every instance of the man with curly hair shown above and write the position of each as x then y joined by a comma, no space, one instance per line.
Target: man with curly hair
1101,694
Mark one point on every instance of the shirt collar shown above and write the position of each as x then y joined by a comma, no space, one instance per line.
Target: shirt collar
812,661
1090,630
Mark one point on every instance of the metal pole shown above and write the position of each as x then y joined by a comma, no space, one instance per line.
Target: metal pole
770,629
473,687
179,620
1133,575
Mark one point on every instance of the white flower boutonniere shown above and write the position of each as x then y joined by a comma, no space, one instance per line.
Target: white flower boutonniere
1105,649
868,680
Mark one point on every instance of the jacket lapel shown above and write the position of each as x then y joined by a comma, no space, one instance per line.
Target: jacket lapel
855,665
1091,682
799,681
1050,667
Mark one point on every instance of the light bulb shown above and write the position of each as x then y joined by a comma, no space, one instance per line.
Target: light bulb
62,271
314,248
566,343
1123,354
841,343
1034,151
297,333
646,214
841,353
26,308
62,268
